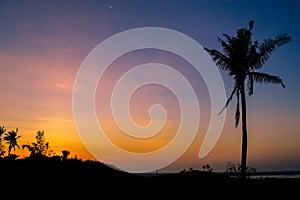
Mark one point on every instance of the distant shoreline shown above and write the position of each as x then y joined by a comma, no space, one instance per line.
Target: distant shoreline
277,174
259,174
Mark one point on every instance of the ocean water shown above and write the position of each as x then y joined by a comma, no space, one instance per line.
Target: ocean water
266,174
277,176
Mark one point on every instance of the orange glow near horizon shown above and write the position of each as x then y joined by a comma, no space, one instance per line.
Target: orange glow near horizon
51,111
62,134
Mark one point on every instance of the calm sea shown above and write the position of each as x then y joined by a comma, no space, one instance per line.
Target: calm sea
267,174
277,174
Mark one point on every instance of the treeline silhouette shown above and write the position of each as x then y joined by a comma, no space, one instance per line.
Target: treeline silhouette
40,152
44,171
41,157
39,149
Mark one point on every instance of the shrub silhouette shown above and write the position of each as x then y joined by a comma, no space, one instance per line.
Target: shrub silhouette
39,148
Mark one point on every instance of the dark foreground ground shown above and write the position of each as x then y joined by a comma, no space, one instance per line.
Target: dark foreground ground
38,179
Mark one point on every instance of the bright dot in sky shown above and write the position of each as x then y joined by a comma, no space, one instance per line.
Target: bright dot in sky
110,6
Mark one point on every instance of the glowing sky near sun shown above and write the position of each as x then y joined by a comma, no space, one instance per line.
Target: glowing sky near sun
43,43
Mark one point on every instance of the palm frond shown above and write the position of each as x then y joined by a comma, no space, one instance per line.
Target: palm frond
227,47
251,25
229,99
260,77
268,46
228,38
282,39
2,130
237,111
220,59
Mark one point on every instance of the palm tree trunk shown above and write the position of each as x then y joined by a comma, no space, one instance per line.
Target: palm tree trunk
244,133
9,149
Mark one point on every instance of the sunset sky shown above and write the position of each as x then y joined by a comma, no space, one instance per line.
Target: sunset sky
43,44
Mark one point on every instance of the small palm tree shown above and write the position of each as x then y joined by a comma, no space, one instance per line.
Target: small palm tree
2,131
242,57
11,139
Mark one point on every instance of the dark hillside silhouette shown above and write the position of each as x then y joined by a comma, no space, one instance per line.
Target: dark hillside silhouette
55,177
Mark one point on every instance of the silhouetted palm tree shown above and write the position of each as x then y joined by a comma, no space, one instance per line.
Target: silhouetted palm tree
2,131
11,139
242,57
